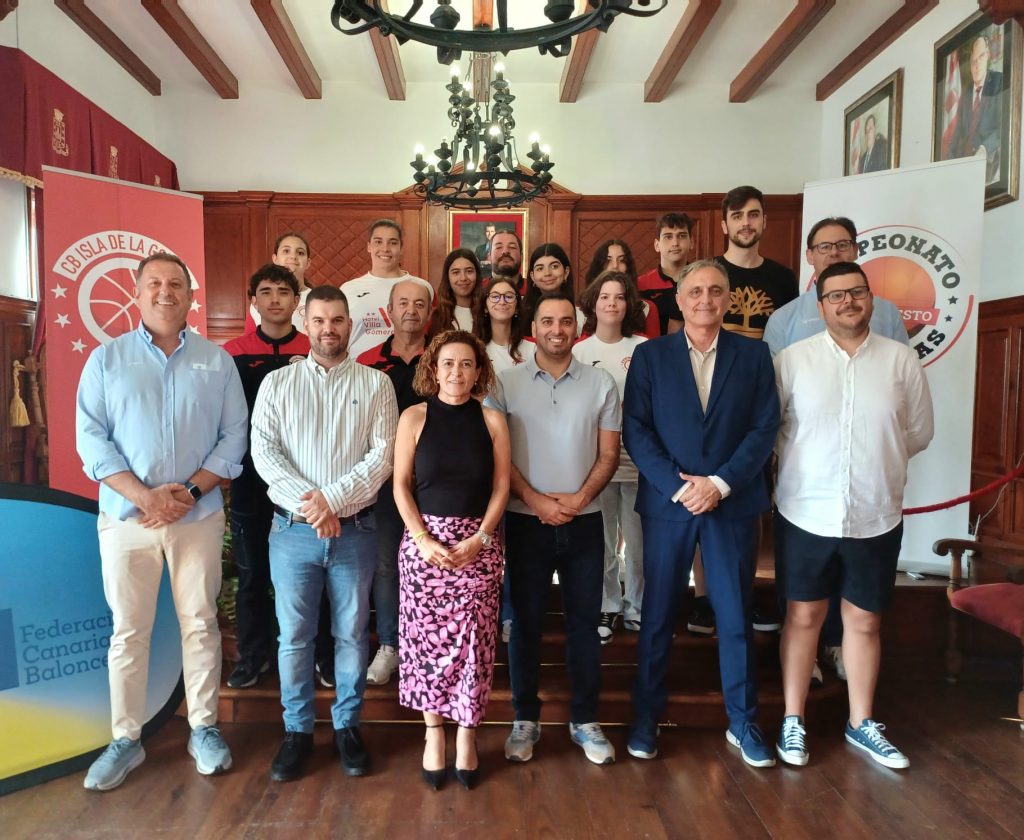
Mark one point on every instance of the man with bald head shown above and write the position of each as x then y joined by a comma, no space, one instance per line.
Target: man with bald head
397,357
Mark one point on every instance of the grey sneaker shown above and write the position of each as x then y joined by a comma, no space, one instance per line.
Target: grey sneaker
207,747
519,744
114,764
596,747
384,664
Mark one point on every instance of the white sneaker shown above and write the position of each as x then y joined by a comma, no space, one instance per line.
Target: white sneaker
596,747
835,656
384,664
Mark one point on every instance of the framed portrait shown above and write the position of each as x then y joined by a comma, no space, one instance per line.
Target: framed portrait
977,101
872,128
467,229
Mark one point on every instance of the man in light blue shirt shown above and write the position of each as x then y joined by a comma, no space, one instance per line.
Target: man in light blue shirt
161,420
830,240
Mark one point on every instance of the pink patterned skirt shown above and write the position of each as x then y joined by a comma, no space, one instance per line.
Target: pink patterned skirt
448,625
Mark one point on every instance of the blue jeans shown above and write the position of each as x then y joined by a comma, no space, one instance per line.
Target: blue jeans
533,551
301,565
385,579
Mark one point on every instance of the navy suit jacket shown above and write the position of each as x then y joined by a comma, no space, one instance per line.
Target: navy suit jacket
666,432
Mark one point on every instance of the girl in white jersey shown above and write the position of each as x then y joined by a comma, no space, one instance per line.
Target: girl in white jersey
614,316
500,324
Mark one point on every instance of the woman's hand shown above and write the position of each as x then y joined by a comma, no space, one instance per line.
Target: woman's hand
465,552
433,552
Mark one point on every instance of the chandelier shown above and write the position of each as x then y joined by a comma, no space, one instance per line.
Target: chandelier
554,38
480,168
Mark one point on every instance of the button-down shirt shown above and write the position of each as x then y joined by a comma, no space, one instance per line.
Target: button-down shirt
160,417
553,424
703,365
800,319
323,429
849,426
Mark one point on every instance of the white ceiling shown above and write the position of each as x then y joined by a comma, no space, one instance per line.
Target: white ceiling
626,54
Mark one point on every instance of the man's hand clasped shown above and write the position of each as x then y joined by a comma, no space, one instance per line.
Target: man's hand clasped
701,496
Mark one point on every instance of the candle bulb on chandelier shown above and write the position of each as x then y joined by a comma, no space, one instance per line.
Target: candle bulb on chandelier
418,151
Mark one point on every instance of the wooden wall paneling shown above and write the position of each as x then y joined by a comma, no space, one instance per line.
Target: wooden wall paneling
992,423
16,320
226,247
994,526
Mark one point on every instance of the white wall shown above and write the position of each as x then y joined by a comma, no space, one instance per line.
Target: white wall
15,280
1003,227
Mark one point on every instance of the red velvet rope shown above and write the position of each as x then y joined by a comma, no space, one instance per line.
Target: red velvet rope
959,500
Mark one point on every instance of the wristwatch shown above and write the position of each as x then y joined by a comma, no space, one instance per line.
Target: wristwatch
485,538
193,491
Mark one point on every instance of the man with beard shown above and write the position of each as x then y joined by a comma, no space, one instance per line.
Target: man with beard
507,257
323,436
564,421
409,311
855,408
757,285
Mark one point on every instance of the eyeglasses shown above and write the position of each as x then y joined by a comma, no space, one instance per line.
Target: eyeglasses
842,246
839,295
502,297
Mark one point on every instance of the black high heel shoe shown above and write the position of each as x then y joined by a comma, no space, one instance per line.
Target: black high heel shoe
468,778
435,778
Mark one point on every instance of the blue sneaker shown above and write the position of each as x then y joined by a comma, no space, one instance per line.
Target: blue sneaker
868,737
792,743
207,747
748,737
643,740
114,764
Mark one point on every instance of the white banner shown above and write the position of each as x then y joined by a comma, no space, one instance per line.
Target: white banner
919,235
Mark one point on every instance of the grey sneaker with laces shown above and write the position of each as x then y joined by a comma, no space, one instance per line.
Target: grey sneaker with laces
114,764
519,744
792,743
596,747
207,747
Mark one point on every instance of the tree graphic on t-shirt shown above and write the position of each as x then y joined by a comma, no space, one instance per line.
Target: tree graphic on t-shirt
747,302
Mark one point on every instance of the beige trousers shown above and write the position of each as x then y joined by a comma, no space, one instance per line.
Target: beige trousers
132,560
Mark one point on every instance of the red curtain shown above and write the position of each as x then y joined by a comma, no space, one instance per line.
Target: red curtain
45,121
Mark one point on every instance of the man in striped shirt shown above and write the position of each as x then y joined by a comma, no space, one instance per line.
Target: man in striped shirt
323,434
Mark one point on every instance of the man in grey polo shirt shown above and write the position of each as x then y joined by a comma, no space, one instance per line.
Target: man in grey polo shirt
564,421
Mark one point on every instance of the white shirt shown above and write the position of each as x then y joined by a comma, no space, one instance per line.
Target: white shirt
368,306
328,430
849,426
501,359
464,318
614,358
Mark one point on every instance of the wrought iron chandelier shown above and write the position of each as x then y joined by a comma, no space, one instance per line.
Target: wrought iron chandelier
480,168
554,38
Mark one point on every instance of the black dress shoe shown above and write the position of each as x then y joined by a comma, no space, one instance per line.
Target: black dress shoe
355,761
435,778
467,778
290,762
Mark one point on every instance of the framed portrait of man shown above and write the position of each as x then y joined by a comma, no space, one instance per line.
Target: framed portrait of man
467,229
977,101
872,128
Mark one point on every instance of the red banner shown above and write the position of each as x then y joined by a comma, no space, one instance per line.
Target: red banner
95,232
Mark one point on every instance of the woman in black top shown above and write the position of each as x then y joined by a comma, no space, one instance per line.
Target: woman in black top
452,466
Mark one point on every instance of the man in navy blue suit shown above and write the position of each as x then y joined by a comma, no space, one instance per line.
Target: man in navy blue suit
700,414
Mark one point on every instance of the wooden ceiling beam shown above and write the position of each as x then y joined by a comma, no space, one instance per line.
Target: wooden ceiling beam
389,61
113,46
289,46
6,7
576,65
691,26
172,19
899,22
790,34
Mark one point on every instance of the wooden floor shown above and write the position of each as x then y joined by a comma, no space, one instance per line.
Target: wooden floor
966,780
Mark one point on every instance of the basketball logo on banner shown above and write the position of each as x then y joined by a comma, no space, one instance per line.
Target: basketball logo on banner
103,267
919,273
